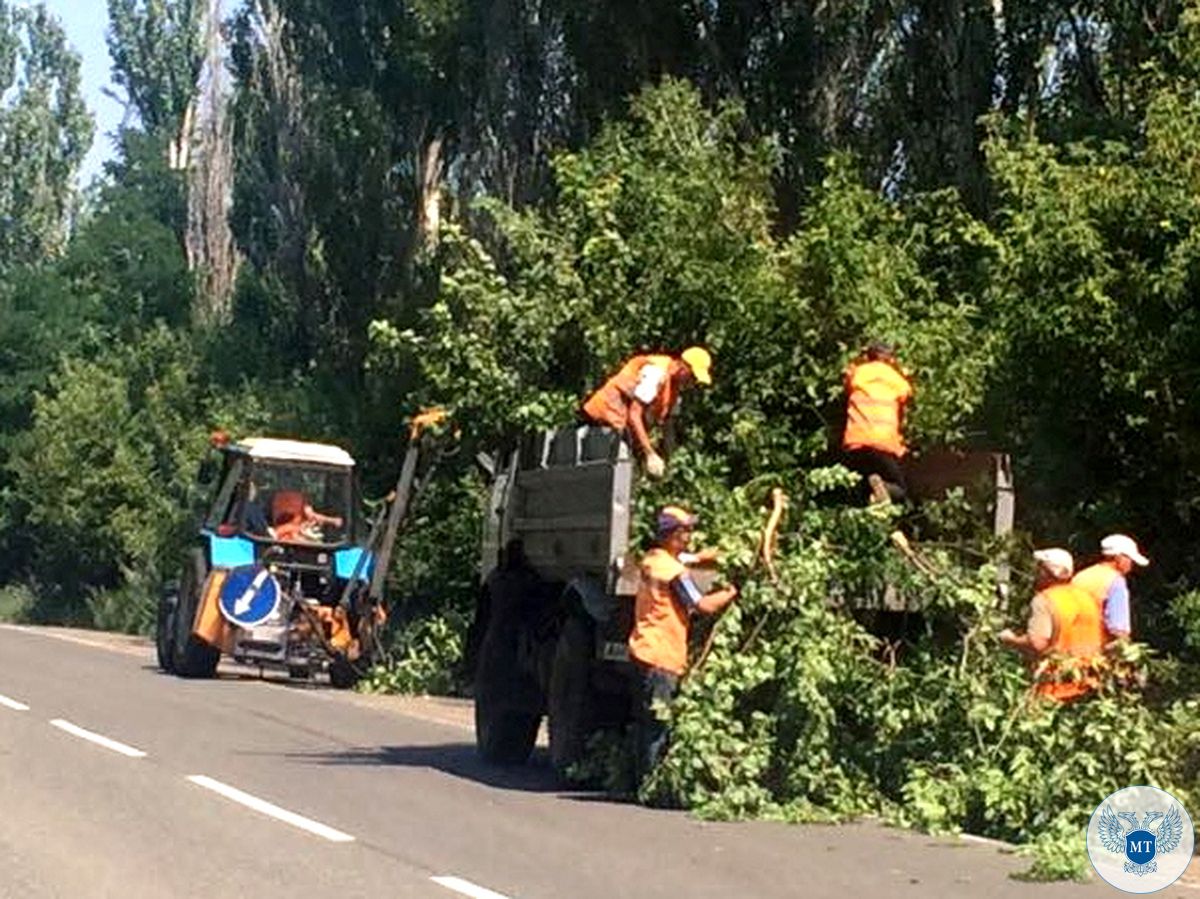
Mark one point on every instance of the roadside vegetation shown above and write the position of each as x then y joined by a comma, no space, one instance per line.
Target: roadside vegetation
404,231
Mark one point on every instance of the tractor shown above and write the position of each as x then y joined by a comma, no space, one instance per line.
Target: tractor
287,572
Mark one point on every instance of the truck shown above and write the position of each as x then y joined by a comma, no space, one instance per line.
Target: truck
286,572
558,578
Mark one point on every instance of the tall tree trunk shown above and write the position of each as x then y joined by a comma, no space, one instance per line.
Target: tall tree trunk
210,249
429,192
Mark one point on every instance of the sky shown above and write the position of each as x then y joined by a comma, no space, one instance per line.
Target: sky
86,22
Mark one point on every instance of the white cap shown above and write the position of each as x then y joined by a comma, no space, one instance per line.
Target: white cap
1058,562
1120,545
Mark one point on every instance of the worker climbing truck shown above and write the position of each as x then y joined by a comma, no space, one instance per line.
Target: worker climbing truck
286,572
559,576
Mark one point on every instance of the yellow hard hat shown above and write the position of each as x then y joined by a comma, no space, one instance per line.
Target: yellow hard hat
699,361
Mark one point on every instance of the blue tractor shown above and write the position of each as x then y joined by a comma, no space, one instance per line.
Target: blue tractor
287,573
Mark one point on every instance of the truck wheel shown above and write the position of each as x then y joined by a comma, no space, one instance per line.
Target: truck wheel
507,711
192,656
504,736
570,701
164,631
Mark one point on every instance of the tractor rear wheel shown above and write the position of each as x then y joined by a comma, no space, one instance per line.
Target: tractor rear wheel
192,657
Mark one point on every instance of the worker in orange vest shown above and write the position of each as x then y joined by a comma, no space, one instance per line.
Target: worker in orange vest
1105,582
1064,636
658,645
877,392
647,387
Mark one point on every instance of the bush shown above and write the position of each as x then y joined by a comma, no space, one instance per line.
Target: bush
130,608
17,603
425,656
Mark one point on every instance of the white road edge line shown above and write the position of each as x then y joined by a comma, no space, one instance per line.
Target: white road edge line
274,811
467,888
985,841
98,739
13,704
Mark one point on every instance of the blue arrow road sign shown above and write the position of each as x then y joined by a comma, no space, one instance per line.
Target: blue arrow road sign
249,596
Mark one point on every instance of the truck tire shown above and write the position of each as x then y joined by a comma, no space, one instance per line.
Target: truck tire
164,630
504,736
506,725
193,658
570,705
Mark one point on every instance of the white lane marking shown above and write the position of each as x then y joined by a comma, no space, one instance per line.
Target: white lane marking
467,888
13,704
274,811
98,739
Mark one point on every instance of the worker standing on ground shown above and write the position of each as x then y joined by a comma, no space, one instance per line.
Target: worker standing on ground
877,392
646,388
1064,636
1105,582
658,644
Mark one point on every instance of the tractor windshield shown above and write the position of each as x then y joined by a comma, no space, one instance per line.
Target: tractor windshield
296,503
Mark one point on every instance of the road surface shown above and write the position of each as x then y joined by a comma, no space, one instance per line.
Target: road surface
116,780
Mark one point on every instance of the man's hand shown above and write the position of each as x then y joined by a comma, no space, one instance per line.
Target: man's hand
713,602
655,466
1008,636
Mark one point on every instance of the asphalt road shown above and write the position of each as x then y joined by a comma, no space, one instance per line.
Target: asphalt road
116,780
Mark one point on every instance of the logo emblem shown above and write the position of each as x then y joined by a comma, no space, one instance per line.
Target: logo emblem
249,596
1140,839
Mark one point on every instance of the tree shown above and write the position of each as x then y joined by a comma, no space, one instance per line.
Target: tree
158,52
45,131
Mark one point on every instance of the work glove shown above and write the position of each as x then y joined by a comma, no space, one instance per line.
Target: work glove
655,466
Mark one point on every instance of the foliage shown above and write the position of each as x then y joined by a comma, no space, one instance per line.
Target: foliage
1185,609
800,711
104,478
157,48
131,607
17,602
45,131
424,657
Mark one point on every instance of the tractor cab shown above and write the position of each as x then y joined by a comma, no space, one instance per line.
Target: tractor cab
285,491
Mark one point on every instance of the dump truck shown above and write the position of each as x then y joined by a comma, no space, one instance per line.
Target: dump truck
558,576
286,571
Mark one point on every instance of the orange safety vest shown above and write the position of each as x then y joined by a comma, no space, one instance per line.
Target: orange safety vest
1070,667
610,404
876,392
660,625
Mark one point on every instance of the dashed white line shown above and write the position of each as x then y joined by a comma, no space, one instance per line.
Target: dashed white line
98,739
268,808
467,888
13,704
